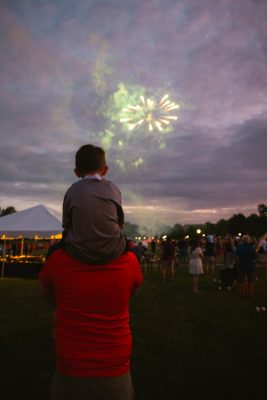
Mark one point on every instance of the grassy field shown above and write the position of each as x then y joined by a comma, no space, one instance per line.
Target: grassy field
210,345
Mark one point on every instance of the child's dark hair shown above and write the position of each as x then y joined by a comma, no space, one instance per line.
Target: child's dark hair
90,158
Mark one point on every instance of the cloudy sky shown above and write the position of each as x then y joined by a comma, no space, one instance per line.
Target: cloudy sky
65,67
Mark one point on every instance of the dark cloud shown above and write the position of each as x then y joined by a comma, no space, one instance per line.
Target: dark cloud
207,174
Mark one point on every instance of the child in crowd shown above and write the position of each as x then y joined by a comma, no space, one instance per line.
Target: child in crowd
195,263
92,212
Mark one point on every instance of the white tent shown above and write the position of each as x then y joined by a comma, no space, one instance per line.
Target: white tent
34,221
28,223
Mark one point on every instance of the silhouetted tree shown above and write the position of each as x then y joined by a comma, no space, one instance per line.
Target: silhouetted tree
253,225
222,227
176,231
262,210
7,210
131,230
191,230
237,223
209,227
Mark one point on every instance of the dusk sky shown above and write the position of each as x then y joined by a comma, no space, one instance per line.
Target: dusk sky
66,66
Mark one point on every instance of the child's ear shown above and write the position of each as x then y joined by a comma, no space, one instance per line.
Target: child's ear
77,172
104,170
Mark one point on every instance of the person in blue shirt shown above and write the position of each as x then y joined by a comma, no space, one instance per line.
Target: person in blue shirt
246,256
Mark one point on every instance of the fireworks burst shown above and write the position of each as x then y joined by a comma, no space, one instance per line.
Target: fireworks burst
155,115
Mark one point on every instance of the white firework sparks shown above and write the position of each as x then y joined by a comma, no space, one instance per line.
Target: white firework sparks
155,115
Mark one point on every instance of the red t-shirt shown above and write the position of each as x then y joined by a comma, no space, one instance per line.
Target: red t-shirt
92,335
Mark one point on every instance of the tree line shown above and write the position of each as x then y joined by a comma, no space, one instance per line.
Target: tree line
254,225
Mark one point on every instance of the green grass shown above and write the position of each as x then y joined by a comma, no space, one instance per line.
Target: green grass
210,345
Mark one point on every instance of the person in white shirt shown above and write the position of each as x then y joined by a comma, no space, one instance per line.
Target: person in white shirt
195,263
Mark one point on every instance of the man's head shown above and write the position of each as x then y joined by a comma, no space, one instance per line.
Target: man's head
90,159
210,238
246,239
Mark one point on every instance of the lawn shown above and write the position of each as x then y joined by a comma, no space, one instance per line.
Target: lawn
210,345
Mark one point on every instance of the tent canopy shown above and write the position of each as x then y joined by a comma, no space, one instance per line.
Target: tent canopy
28,223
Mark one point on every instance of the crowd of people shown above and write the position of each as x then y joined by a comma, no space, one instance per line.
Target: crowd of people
237,258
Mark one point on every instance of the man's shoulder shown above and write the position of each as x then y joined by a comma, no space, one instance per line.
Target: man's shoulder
129,265
126,260
58,255
60,261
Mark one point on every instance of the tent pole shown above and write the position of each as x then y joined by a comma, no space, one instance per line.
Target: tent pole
4,257
22,245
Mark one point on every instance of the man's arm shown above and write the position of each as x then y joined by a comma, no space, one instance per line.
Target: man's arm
138,277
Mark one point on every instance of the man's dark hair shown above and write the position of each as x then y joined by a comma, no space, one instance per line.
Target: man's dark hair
90,158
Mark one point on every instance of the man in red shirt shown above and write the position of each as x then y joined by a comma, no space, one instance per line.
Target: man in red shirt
93,340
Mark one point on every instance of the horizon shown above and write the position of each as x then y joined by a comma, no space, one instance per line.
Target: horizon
156,228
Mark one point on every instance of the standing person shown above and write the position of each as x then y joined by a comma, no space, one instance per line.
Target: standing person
228,275
210,254
229,252
93,340
153,245
246,256
92,212
167,259
195,263
183,251
261,250
139,251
